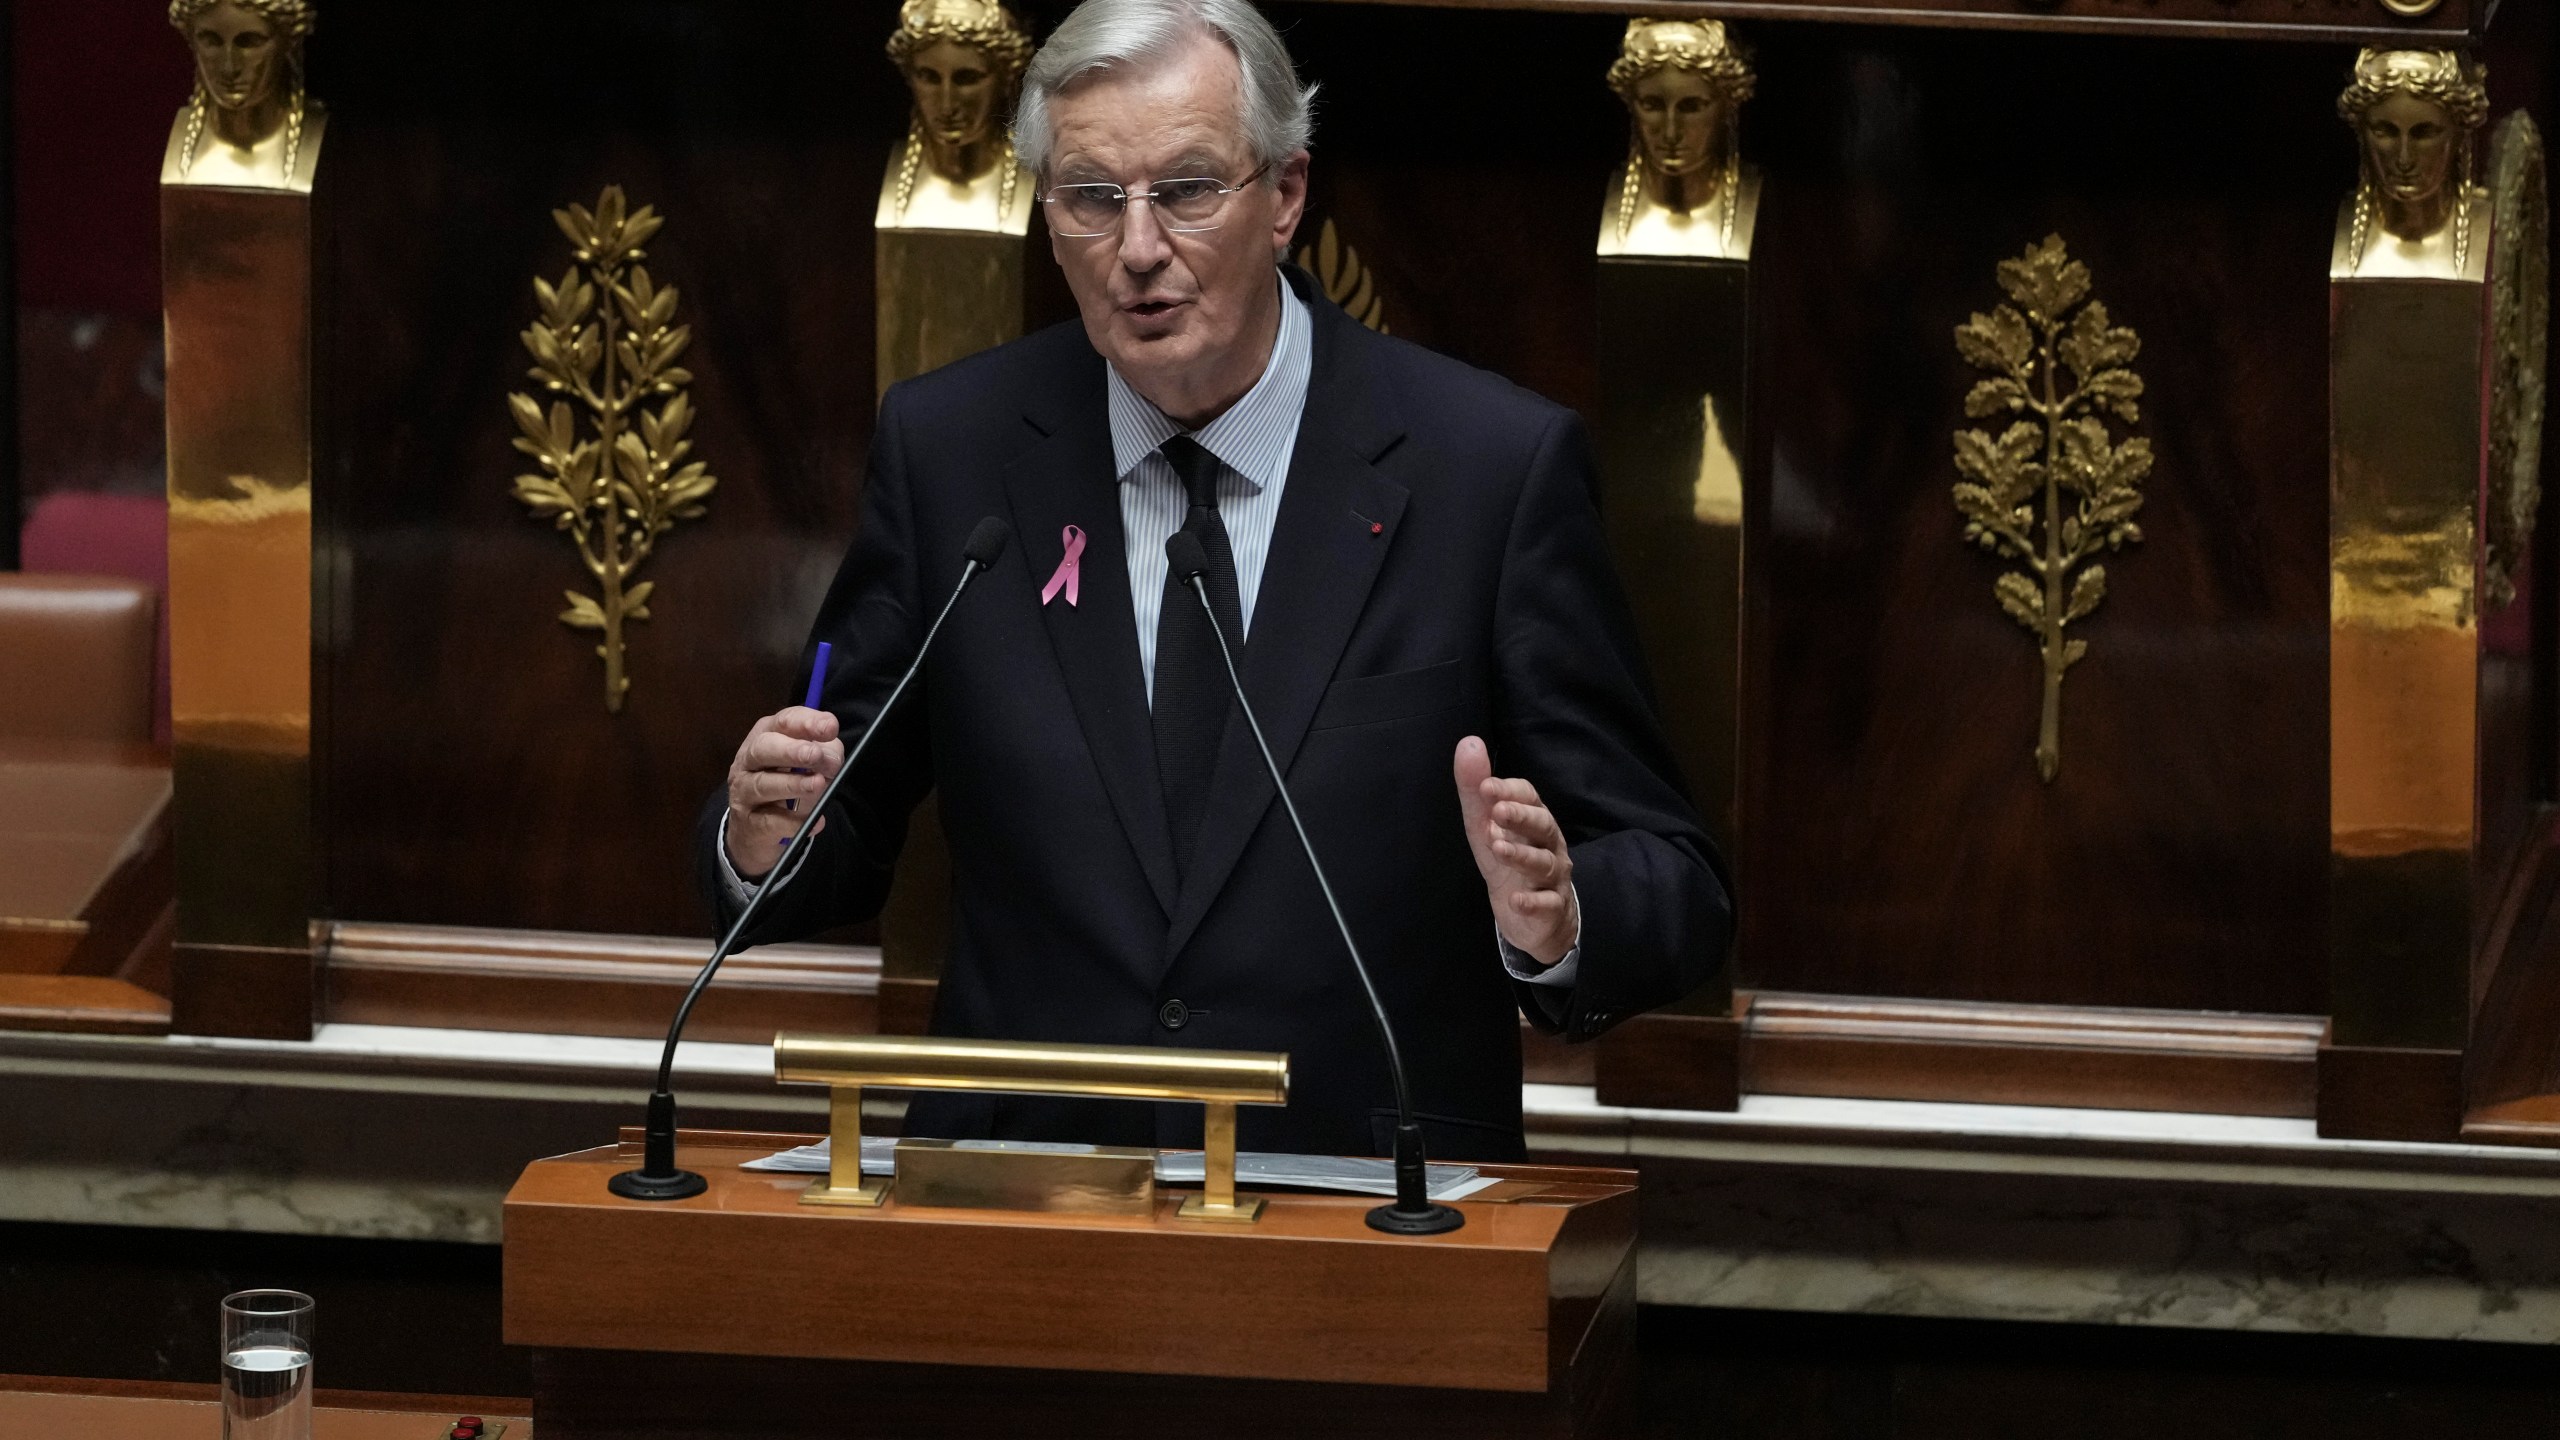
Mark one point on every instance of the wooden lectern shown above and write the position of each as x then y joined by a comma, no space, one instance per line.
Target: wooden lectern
743,1312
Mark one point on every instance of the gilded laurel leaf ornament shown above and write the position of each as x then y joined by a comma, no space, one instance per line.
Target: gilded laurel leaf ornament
612,444
2053,489
1346,282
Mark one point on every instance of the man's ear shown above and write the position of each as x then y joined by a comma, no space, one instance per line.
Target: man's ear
1291,184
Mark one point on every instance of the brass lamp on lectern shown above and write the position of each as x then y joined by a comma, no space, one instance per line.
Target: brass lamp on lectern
235,224
1674,249
2437,315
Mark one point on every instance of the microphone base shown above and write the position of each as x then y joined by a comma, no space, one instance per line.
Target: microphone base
641,1185
1429,1220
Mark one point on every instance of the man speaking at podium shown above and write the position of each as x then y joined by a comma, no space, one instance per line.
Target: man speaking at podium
1430,633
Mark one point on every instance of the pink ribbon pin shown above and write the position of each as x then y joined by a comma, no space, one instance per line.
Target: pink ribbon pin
1070,570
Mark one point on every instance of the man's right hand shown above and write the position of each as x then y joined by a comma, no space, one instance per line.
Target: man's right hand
788,757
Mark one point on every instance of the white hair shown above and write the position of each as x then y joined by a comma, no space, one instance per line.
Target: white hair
1102,36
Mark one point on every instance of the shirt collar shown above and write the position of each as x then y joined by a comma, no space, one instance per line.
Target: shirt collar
1253,438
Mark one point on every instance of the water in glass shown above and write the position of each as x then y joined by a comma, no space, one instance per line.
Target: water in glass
266,1366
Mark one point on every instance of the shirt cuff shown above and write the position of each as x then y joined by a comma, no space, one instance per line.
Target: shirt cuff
741,890
1522,965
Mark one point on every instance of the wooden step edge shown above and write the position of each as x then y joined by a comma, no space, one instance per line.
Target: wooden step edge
85,1004
2532,1121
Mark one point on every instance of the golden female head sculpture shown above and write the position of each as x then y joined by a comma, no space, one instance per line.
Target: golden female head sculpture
962,60
1683,82
2415,114
248,73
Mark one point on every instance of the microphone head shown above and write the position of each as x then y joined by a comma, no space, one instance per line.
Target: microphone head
1190,561
987,542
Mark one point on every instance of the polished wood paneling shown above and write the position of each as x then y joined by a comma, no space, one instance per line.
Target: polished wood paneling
2533,1120
1677,1059
463,978
1518,1301
2384,1093
906,1004
2031,1055
2364,21
1884,1049
97,1004
471,774
85,877
1548,1060
1480,248
1896,835
264,992
2178,862
2513,1066
150,1410
2515,1030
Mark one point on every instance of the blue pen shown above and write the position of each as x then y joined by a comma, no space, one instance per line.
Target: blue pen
817,692
818,677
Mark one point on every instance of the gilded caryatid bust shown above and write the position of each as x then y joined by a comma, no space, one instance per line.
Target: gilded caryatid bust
1684,190
962,60
2415,212
249,125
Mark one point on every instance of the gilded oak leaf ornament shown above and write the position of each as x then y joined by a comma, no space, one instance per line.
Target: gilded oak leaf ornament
2054,488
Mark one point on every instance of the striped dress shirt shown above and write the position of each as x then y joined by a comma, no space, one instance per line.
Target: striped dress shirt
1253,440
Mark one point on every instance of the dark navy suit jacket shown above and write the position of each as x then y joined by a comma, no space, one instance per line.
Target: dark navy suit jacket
1437,570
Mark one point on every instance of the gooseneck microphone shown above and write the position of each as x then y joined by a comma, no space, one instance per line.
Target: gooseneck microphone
658,1178
1414,1212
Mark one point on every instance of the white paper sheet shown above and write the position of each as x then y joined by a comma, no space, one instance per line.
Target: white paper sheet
1352,1175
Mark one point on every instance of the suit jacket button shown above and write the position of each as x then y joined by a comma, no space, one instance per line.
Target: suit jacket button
1174,1015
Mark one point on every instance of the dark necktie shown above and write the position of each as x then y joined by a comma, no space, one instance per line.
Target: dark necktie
1191,685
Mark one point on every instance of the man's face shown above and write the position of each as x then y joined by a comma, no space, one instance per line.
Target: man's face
236,53
955,92
1169,309
2409,144
1679,121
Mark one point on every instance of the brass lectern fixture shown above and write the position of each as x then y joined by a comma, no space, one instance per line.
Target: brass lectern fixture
1035,1177
235,227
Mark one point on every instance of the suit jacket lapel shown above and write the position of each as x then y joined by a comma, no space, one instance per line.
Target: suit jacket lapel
1337,522
1065,480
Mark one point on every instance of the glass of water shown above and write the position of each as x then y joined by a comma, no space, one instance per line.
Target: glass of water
266,1365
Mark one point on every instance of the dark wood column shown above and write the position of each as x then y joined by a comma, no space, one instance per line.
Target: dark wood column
12,508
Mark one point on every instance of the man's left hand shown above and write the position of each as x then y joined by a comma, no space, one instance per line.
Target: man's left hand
1528,873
